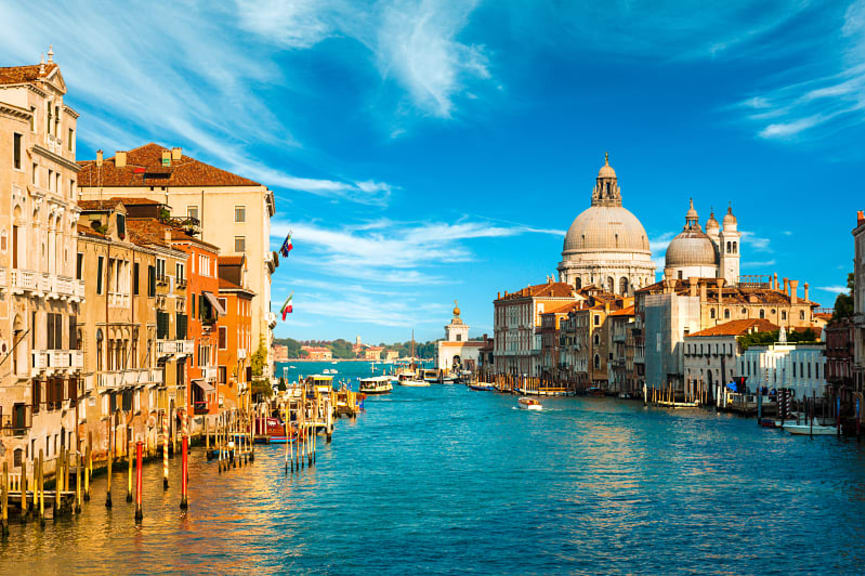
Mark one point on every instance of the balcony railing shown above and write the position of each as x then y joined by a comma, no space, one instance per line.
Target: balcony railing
241,353
118,300
25,280
2,277
271,319
52,285
129,378
174,347
199,407
51,360
18,422
208,373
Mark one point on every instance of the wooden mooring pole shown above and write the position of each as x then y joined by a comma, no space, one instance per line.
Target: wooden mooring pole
139,449
164,452
184,473
4,502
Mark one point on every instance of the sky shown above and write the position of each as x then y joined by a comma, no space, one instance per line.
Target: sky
424,152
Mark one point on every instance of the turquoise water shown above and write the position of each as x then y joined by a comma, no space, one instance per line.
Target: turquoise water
445,480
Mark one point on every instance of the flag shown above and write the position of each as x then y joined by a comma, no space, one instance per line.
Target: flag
286,246
287,307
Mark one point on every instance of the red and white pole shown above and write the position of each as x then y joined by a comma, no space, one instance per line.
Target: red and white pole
164,452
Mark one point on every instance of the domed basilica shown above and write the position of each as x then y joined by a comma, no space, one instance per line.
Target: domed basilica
710,254
606,245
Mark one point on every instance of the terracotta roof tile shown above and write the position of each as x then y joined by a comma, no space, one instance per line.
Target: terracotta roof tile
22,74
232,260
547,290
629,311
144,168
737,328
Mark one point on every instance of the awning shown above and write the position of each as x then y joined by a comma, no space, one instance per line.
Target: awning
215,303
204,385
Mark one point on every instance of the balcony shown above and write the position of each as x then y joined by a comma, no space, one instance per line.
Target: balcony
271,319
18,422
53,360
118,300
174,348
129,378
241,353
24,281
2,277
208,372
50,285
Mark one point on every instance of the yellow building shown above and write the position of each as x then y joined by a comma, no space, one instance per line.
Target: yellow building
39,289
233,212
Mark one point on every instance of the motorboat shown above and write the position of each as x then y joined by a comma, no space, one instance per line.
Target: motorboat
431,376
375,385
322,384
809,430
529,404
482,386
410,380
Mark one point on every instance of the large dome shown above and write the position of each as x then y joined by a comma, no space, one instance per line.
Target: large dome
690,248
612,228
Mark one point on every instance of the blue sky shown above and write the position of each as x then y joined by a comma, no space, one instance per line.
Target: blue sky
423,152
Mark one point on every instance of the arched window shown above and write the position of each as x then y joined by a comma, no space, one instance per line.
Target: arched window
578,283
729,248
801,314
597,361
726,313
735,247
680,274
762,313
623,286
99,349
597,339
611,284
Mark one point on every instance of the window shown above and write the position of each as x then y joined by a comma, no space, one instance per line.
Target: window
135,278
223,337
783,314
222,374
762,313
33,118
179,272
54,331
240,213
801,314
192,211
192,300
100,263
204,265
17,141
726,313
50,180
712,313
121,226
160,269
162,325
70,139
151,281
34,178
180,326
73,333
240,243
79,266
224,303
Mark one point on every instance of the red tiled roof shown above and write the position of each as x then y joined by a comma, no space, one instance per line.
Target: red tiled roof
89,205
737,328
232,260
560,308
22,74
144,231
629,311
547,290
144,168
85,230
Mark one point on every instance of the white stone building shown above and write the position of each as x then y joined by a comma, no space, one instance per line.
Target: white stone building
456,352
859,306
798,367
606,245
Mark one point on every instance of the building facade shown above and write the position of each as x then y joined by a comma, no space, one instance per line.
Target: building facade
799,368
859,311
40,294
456,352
233,212
234,374
606,245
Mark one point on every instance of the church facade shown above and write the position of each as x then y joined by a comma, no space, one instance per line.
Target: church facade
606,245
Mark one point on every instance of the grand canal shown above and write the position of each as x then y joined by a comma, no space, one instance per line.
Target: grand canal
445,480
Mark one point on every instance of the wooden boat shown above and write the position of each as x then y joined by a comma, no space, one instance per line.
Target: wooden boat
271,430
529,404
482,387
411,381
376,385
431,376
809,430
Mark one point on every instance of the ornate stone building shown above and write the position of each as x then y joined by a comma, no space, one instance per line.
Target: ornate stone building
710,254
456,351
606,245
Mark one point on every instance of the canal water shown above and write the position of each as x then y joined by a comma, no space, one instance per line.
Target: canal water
445,480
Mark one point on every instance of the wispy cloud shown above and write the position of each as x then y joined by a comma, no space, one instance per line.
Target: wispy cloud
834,289
814,106
363,309
395,252
757,243
757,263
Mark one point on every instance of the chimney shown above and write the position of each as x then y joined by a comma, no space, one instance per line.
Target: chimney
775,282
176,153
120,159
860,218
167,231
806,292
99,158
498,295
692,286
794,291
703,297
720,282
166,158
787,286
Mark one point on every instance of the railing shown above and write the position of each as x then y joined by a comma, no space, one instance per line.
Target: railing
2,277
172,347
209,373
56,360
118,299
25,280
241,353
18,422
129,378
199,407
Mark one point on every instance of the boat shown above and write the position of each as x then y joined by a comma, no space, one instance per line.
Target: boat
322,384
376,385
482,386
431,376
529,404
809,430
410,380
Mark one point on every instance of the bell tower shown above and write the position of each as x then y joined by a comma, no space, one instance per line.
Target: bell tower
729,248
456,331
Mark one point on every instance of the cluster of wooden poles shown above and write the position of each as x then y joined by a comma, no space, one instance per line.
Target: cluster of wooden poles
233,441
301,446
32,495
519,384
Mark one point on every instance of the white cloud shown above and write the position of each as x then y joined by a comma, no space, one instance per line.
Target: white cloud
363,309
834,289
758,243
393,252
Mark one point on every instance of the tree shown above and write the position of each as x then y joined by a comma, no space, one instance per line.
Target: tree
260,384
844,302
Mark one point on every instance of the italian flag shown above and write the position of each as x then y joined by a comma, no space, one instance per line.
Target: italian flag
287,307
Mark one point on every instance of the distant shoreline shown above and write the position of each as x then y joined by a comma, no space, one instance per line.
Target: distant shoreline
340,360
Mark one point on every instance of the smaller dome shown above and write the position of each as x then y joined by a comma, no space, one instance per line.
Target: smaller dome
690,248
606,170
712,224
729,219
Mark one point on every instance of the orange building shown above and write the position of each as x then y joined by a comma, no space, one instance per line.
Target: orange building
234,373
204,312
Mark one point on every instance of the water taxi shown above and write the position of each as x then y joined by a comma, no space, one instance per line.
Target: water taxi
410,380
529,404
431,376
482,386
375,385
322,384
809,430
